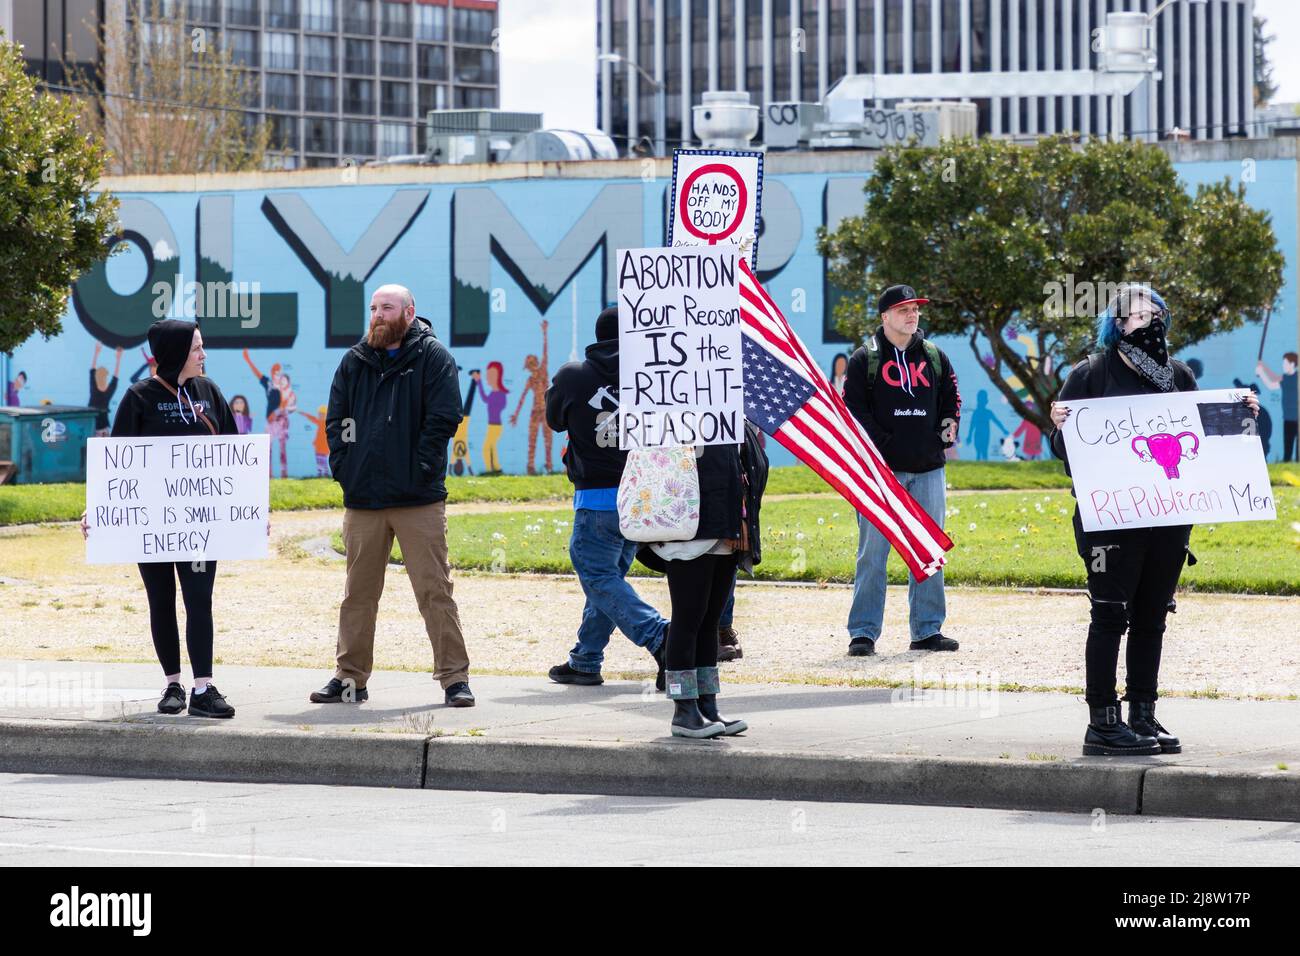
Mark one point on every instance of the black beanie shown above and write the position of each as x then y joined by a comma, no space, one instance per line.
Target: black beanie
607,324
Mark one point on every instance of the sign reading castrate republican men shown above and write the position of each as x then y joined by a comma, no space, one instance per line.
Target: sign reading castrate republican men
177,499
680,374
1167,459
717,196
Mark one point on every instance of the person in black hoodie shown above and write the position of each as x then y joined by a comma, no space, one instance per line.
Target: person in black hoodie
178,400
1132,572
903,391
701,573
583,401
393,407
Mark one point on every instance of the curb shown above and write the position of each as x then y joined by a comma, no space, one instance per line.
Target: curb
648,769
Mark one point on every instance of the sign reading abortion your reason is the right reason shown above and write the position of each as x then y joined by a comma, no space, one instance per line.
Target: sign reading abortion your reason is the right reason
1168,459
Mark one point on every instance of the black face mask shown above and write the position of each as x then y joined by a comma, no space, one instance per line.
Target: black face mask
1147,350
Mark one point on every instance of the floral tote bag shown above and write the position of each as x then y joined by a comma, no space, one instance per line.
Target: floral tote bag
659,495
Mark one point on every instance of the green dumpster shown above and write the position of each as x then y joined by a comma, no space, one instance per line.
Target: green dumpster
44,443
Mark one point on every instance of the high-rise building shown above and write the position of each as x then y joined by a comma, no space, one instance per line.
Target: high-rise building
335,79
795,50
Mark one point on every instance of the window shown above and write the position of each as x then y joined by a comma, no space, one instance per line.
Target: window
359,97
359,56
280,51
358,16
282,14
318,54
283,132
432,62
395,19
244,12
395,99
430,23
395,59
322,135
281,92
476,66
320,15
469,98
474,26
242,45
432,97
205,11
394,139
321,94
320,162
358,139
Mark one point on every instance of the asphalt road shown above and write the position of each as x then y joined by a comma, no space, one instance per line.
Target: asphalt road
101,821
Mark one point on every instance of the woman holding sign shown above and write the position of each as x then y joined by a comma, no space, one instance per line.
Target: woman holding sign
177,400
1133,572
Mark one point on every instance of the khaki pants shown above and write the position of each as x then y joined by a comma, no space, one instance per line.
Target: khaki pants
368,537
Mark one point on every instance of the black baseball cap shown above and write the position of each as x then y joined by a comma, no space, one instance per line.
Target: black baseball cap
897,295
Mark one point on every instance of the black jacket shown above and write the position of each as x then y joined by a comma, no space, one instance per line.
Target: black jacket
150,409
583,401
389,421
732,481
904,413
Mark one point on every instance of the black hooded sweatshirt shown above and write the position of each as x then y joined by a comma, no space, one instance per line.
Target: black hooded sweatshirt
150,409
389,421
583,401
902,411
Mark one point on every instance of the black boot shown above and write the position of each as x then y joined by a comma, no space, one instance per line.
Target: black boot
729,644
1108,736
1142,718
689,722
709,708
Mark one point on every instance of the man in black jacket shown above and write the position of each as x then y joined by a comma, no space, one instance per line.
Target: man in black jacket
903,391
394,405
583,401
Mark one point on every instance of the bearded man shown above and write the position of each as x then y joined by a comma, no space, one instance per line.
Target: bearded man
394,405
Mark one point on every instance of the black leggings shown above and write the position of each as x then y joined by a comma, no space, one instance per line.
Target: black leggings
196,589
699,589
1132,576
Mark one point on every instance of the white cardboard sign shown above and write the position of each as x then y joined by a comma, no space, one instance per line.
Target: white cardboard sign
177,499
680,364
717,196
1169,459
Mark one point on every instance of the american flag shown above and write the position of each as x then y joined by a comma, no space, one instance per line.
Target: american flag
787,396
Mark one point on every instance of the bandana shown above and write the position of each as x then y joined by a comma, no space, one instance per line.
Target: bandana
1147,350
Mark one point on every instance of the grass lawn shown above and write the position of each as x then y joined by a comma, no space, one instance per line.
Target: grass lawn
1013,540
29,504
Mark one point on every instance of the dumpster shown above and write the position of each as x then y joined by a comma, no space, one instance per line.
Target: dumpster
44,443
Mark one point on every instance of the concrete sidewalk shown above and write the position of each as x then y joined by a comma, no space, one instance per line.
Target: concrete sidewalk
972,747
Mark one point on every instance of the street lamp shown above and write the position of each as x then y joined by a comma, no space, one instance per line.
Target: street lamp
660,91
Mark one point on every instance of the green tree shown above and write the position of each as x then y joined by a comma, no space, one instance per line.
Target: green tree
1011,241
52,224
1265,88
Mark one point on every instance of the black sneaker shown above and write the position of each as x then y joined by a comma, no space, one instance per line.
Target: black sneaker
339,692
935,642
862,647
459,695
564,674
210,703
173,699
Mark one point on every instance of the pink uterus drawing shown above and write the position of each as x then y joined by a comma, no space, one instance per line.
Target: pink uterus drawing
1166,450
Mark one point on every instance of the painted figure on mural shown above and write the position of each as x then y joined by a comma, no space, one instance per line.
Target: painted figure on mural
280,404
979,431
102,387
1263,421
243,417
1031,438
538,381
495,400
839,369
1287,383
321,442
13,388
150,363
460,460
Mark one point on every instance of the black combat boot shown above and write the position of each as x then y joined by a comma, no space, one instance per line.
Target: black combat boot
1109,736
1142,718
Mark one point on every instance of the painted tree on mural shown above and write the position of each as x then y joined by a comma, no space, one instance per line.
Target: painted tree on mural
1016,247
51,226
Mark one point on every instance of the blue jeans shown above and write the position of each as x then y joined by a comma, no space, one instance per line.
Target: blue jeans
601,556
925,599
729,609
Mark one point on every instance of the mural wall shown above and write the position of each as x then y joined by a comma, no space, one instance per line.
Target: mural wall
512,275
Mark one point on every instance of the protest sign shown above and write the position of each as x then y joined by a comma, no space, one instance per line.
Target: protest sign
680,359
1173,458
716,197
177,499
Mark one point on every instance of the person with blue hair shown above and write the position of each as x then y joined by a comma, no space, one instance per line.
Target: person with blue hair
1132,572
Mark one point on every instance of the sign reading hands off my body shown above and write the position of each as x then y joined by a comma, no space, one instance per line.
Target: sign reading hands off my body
1177,458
